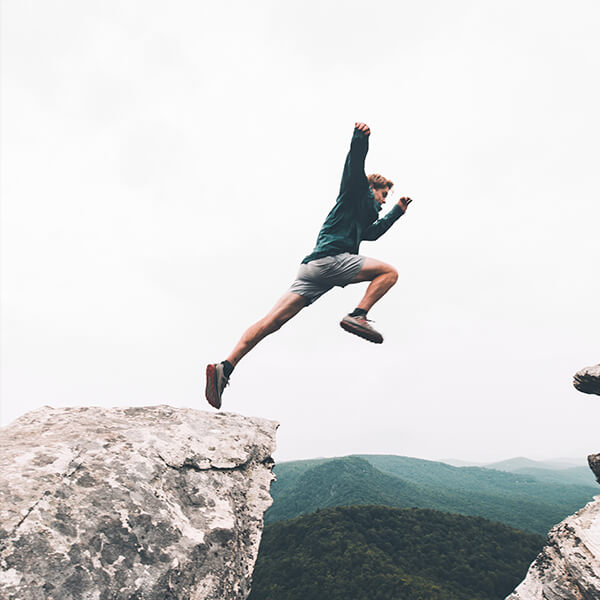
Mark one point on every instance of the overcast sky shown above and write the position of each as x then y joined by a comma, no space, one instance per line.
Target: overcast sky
166,166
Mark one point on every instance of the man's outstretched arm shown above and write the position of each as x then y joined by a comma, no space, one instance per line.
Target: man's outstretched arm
354,168
377,229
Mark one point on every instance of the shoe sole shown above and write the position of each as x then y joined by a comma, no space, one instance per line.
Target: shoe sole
212,394
362,333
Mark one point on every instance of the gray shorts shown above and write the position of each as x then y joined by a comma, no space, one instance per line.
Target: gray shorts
320,275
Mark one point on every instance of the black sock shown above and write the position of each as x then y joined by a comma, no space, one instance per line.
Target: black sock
358,312
227,368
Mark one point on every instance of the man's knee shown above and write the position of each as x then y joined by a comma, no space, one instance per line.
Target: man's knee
275,321
393,275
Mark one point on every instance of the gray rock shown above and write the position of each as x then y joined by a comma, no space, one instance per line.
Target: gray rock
153,503
568,568
588,380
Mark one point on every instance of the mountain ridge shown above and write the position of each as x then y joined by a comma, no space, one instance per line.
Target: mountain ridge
518,500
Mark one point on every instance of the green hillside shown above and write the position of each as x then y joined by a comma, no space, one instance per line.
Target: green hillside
520,501
338,482
380,553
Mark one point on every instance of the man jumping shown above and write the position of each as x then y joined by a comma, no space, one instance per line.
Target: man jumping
334,262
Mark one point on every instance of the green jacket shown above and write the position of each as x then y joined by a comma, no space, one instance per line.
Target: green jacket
354,216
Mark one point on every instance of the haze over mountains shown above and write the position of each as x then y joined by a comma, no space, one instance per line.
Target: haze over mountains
518,462
560,470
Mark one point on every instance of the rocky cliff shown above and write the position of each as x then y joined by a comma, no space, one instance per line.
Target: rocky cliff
152,503
568,568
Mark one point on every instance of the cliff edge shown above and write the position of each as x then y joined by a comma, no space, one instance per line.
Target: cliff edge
152,503
568,567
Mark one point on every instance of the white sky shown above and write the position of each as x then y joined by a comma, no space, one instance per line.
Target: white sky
166,166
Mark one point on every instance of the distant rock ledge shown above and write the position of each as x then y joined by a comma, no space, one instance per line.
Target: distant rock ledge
587,380
149,503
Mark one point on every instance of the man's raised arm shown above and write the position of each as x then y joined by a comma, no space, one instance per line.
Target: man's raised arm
354,169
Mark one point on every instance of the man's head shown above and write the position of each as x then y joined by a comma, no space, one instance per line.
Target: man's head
380,186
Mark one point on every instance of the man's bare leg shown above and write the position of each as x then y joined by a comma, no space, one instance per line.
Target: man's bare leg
288,306
217,375
382,277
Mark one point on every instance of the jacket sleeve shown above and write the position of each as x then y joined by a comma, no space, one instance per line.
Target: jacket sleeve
354,177
377,229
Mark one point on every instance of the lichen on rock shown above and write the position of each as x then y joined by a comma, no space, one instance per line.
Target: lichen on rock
149,503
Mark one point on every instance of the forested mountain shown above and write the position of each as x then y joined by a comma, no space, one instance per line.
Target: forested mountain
380,553
517,500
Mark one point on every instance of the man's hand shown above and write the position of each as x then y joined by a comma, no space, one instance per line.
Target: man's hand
404,202
363,127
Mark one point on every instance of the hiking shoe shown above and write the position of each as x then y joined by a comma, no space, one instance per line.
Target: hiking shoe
360,326
215,384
